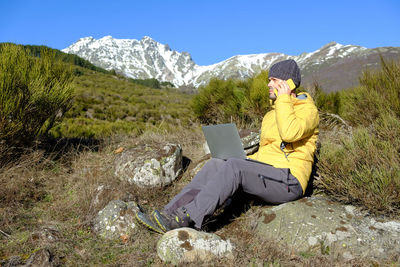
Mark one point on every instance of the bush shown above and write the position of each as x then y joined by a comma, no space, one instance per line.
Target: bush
243,102
257,97
379,92
326,102
364,168
219,101
34,92
152,83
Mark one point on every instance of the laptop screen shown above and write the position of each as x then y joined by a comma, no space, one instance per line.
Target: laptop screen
224,141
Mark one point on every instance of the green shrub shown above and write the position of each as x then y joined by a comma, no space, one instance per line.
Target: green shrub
34,92
257,102
379,92
219,101
244,102
364,168
326,102
152,83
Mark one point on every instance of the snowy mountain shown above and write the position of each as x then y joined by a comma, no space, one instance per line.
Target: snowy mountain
149,59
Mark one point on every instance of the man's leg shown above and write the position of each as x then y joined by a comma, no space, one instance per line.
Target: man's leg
189,192
261,180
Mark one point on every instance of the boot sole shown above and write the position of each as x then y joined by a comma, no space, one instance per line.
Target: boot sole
148,224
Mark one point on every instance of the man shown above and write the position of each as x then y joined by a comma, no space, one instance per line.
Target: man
277,173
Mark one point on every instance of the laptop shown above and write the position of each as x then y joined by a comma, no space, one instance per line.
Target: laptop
224,141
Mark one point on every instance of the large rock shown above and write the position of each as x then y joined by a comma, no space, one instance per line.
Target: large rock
149,166
116,220
250,142
188,245
322,225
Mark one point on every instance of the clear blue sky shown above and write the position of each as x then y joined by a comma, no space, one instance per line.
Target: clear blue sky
210,30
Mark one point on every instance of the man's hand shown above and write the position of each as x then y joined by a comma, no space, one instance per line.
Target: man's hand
282,87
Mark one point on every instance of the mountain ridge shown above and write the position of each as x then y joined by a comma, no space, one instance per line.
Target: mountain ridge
147,58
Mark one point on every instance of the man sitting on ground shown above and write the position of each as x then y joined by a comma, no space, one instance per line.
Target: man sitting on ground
278,172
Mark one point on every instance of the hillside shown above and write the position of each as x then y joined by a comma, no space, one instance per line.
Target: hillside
108,104
105,103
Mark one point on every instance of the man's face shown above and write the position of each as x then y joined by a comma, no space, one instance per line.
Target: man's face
273,82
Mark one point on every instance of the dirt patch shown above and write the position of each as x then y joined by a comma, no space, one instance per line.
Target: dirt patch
186,245
341,228
305,201
183,235
269,217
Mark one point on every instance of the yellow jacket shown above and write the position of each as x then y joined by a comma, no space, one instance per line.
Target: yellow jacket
292,123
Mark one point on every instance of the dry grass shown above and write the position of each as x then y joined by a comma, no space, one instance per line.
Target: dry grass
43,190
57,193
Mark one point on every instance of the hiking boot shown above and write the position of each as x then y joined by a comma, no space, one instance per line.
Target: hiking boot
146,220
169,222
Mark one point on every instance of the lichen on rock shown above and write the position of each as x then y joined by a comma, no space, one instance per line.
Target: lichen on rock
316,222
116,219
149,165
188,245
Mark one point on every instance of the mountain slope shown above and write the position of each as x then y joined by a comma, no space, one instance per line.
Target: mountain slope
334,66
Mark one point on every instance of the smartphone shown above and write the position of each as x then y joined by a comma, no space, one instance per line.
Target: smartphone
291,86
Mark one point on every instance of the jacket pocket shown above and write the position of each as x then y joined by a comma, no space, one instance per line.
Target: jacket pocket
263,177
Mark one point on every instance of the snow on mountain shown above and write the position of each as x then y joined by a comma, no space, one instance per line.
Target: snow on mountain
149,59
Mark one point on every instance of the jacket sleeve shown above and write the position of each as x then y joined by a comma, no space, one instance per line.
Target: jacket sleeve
294,126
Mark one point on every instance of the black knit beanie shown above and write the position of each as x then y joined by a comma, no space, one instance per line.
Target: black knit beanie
285,70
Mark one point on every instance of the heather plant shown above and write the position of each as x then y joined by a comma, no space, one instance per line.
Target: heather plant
364,167
326,102
379,91
219,101
34,93
243,102
257,102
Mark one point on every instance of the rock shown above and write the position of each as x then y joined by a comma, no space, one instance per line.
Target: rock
188,245
198,167
116,220
318,223
250,139
149,166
